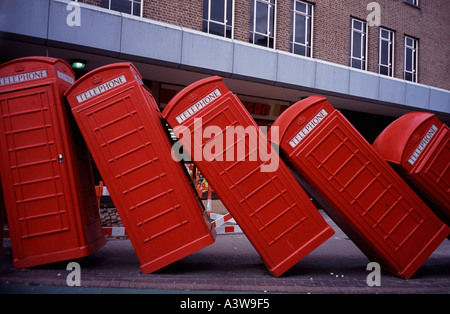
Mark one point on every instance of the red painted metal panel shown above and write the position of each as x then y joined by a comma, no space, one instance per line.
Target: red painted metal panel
47,180
270,207
122,126
367,198
418,146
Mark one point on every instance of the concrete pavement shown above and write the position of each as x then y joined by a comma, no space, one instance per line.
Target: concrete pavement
231,264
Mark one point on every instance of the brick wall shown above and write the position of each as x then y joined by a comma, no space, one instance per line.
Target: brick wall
429,23
283,26
331,33
242,20
186,13
92,2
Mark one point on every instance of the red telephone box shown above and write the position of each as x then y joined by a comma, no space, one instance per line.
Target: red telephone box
417,145
367,198
45,169
156,201
2,219
269,205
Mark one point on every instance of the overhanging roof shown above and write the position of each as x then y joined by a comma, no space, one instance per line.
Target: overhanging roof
179,55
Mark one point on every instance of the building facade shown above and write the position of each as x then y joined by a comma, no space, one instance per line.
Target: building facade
402,39
373,60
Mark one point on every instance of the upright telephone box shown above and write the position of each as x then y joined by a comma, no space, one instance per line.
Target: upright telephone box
45,167
257,188
417,145
156,201
366,197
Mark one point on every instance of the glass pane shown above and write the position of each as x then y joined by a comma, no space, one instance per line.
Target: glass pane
300,21
104,4
271,20
228,34
308,31
291,34
408,61
217,11
300,50
271,42
356,45
357,25
261,18
408,76
216,29
384,70
363,43
229,12
309,9
384,34
300,7
205,9
136,9
384,52
260,40
356,63
121,6
409,42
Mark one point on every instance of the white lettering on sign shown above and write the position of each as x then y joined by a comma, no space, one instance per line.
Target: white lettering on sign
423,143
23,77
101,88
65,77
308,128
199,105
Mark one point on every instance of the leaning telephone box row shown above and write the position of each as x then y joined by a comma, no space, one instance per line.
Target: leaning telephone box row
364,195
51,125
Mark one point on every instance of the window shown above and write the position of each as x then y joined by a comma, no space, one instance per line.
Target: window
410,66
413,2
358,44
262,23
301,28
386,52
218,17
133,7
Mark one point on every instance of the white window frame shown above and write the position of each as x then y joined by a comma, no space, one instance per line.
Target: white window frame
131,11
413,2
309,23
415,55
364,42
390,40
268,35
224,24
